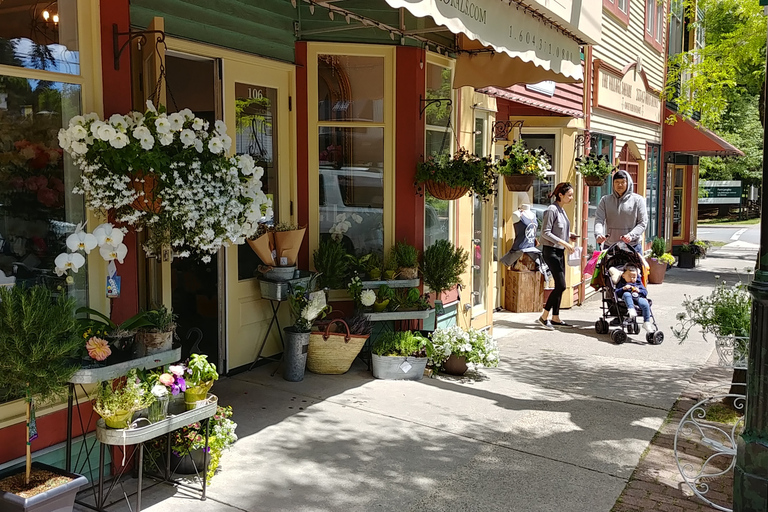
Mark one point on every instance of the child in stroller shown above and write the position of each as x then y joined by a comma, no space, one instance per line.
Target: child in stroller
618,272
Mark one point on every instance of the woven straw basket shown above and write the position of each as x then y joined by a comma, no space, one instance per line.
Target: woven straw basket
333,353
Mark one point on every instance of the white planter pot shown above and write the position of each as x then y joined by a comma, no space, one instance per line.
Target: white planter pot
398,367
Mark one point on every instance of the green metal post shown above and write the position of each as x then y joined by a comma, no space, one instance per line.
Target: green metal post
750,480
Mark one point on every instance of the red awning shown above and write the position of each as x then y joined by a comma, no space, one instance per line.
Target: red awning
689,137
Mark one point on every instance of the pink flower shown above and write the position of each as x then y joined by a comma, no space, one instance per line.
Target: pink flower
176,369
98,348
166,379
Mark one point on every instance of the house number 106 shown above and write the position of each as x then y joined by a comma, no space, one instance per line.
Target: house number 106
255,94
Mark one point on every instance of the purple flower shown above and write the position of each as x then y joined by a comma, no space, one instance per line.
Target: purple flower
182,383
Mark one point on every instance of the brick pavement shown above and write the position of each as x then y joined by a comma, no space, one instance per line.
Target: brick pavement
656,483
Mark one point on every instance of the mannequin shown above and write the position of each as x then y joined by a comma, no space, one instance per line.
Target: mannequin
525,225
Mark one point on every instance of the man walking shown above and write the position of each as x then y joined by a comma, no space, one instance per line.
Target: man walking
621,215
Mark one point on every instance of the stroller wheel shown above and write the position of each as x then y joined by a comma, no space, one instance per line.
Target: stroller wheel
655,338
634,328
618,336
601,326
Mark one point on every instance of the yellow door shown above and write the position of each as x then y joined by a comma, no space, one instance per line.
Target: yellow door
257,99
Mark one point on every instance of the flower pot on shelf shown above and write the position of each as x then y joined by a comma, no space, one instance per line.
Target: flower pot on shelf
657,271
594,181
158,410
398,367
374,274
122,419
518,182
378,307
455,365
686,260
440,190
295,354
389,275
194,395
408,273
155,342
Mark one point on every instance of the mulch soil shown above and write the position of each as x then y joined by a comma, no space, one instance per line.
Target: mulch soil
40,481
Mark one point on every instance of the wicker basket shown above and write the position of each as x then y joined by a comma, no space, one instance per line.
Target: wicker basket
333,353
409,273
519,182
440,190
594,181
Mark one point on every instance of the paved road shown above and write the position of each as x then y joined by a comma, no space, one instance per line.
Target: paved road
729,233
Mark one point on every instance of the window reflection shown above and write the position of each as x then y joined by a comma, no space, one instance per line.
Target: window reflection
351,194
542,188
350,88
37,209
40,35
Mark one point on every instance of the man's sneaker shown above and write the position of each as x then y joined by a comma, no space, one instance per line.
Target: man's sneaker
546,324
632,313
649,326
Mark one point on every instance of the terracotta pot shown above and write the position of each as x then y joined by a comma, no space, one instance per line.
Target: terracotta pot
519,182
455,365
657,271
149,202
594,181
443,191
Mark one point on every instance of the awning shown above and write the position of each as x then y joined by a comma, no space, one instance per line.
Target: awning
689,137
510,95
540,49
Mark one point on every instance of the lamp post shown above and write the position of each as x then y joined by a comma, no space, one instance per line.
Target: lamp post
750,479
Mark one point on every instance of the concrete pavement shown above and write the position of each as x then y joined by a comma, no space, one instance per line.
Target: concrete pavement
559,427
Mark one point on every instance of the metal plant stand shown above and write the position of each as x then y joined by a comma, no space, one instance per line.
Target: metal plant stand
705,451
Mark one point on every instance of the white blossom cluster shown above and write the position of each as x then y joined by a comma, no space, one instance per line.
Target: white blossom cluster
477,346
106,237
206,198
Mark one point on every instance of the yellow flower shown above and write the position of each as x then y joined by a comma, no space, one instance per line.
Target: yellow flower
98,348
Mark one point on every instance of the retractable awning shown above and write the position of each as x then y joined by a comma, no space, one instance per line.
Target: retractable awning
689,137
543,43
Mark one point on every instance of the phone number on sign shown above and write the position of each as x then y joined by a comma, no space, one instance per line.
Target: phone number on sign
540,44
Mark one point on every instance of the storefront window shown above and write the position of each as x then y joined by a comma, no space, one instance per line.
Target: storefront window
438,139
350,88
37,208
600,145
653,176
542,188
677,203
40,35
351,187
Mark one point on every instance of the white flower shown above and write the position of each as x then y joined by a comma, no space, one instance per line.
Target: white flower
118,121
226,140
120,141
199,145
66,261
77,121
142,132
368,297
187,137
177,121
81,241
357,218
79,148
215,146
105,132
64,141
90,117
198,124
163,125
78,133
220,126
165,138
111,252
147,143
187,113
159,390
151,106
107,234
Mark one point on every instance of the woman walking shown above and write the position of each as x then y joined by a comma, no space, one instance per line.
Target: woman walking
555,240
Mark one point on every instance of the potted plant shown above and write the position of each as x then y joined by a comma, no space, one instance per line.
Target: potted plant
400,355
594,168
331,352
331,263
384,296
442,267
659,261
150,170
163,384
373,266
120,337
38,333
306,308
408,299
454,348
520,166
691,252
119,399
446,177
199,377
407,258
157,335
390,266
188,443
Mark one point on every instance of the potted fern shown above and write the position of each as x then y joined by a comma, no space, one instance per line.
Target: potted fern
38,333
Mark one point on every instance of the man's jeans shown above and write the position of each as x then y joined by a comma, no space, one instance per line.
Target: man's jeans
641,301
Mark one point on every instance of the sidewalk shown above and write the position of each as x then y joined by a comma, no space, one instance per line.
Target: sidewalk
560,426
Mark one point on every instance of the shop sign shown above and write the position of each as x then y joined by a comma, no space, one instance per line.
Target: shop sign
720,192
509,29
627,93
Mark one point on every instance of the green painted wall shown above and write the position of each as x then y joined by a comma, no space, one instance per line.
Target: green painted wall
260,27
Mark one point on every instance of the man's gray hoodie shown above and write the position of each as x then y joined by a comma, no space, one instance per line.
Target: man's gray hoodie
620,215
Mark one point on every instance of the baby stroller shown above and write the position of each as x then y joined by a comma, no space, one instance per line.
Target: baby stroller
607,274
